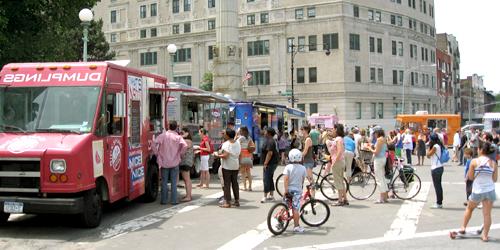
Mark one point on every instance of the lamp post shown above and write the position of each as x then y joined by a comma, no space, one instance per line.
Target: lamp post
172,49
86,17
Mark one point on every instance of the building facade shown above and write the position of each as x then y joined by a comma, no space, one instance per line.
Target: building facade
444,79
448,44
381,61
472,95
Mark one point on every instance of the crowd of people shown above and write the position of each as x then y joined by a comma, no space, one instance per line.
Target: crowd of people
345,148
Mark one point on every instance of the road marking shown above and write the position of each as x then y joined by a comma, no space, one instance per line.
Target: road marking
406,220
250,239
384,239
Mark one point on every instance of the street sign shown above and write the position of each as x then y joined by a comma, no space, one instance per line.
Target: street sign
294,100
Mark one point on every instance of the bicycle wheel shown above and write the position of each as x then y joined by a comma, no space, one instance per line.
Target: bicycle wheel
278,218
328,189
362,186
314,213
407,186
279,184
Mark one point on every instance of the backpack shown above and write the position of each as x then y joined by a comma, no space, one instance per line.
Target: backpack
445,156
399,144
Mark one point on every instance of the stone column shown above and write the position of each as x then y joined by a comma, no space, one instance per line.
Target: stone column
227,59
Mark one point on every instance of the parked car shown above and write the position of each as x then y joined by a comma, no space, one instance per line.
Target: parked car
477,126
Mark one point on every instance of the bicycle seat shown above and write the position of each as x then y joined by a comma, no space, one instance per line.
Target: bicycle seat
324,160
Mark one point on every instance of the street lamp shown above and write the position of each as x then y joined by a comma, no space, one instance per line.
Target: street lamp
172,49
86,17
294,49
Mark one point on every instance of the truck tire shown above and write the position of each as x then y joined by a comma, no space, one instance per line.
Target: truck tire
4,217
152,184
92,209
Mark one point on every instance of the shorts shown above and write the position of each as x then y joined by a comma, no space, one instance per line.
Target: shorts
204,162
310,165
246,161
296,197
185,168
491,196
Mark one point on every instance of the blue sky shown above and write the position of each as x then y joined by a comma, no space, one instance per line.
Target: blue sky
475,24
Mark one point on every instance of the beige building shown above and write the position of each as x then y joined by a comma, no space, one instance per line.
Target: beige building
375,45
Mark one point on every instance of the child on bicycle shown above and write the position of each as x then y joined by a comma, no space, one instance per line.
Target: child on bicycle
294,176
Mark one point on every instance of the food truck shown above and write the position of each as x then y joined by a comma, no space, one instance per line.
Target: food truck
76,135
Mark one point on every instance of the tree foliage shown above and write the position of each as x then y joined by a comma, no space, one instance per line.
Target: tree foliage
48,30
208,80
497,107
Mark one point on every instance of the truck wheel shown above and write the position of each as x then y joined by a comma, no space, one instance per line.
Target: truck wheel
4,217
92,209
152,185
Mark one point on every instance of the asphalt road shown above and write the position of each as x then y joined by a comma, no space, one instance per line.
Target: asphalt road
201,224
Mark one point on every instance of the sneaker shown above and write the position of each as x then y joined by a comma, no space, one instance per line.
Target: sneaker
270,198
437,206
298,229
480,206
222,201
264,199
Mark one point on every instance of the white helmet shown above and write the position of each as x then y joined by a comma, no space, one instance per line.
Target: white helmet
295,156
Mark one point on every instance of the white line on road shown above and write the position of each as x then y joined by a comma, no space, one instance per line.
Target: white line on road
384,239
250,239
406,220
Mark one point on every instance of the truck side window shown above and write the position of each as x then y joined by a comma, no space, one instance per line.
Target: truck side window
155,112
114,123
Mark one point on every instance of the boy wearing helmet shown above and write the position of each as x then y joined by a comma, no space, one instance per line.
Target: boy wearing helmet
294,174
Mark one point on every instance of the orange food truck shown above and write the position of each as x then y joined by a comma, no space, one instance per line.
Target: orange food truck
76,135
422,120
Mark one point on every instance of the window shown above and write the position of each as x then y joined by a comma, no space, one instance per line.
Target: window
313,108
211,24
415,50
143,33
311,12
187,27
148,58
410,23
299,13
113,37
300,75
264,17
313,40
373,110
416,78
187,5
113,16
183,79
175,6
411,50
302,42
380,112
210,52
211,3
313,75
372,74
358,110
393,19
372,44
426,55
414,5
400,48
401,76
412,77
183,55
420,5
394,48
394,77
175,29
290,43
380,75
153,9
423,53
258,48
379,45
378,16
370,15
357,74
153,32
433,56
356,11
259,78
301,106
142,11
330,41
354,42
400,21
250,19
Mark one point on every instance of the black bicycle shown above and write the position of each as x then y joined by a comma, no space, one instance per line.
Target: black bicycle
322,182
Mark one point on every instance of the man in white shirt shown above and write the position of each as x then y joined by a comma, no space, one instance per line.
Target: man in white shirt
229,154
456,146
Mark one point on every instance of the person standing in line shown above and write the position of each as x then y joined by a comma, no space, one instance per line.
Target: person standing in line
456,146
308,151
421,148
282,145
487,137
463,145
484,172
294,176
169,146
270,157
399,142
314,134
187,161
349,146
337,153
205,151
294,140
408,145
246,157
379,161
229,154
435,148
357,137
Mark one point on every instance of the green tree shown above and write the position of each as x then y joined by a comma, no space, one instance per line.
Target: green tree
497,99
208,81
47,30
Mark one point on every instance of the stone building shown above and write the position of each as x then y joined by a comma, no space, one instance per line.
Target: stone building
375,47
472,95
448,44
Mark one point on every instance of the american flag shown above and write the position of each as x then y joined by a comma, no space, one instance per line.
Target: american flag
248,76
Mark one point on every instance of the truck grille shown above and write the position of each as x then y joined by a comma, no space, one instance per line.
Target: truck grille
19,175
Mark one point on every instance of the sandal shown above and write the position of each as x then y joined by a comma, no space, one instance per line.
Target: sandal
185,199
225,205
338,204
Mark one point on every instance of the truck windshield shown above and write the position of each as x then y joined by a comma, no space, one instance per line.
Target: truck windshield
48,109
